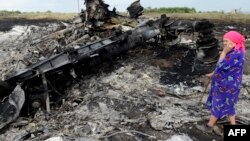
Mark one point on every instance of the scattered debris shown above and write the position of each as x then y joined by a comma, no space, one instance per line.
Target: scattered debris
180,138
106,77
135,9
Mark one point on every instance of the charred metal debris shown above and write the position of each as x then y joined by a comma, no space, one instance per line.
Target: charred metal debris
43,82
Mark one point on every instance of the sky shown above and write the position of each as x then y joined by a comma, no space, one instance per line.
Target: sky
121,5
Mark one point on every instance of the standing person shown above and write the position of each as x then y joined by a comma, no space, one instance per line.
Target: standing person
226,80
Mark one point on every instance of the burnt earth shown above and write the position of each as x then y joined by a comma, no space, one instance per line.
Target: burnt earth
6,24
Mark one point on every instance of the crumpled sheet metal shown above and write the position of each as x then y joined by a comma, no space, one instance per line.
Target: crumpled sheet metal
10,109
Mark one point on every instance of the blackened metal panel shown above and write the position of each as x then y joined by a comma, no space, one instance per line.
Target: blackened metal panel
96,46
60,61
84,50
107,41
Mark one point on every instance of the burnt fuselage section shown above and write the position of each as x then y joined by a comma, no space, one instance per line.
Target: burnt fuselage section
48,77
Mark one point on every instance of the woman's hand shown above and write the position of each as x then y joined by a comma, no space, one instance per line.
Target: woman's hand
228,46
227,49
210,75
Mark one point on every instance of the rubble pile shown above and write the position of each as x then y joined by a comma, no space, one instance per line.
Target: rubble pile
127,98
17,51
108,77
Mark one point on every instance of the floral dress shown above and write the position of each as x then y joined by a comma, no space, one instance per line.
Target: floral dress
226,83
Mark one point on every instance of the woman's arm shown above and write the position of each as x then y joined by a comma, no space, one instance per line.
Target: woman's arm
223,55
229,61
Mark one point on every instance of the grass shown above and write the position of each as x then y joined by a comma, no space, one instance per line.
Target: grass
171,10
214,17
39,15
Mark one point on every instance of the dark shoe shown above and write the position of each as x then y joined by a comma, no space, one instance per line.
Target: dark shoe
205,128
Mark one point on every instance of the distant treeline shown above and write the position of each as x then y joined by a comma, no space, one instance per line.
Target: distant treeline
170,10
5,12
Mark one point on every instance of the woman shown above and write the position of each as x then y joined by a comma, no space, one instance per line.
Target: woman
226,80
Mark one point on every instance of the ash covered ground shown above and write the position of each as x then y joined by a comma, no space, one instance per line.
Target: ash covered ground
147,94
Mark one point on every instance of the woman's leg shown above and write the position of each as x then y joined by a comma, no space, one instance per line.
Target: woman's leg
232,119
212,121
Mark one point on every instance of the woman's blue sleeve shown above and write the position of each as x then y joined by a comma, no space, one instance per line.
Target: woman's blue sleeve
229,61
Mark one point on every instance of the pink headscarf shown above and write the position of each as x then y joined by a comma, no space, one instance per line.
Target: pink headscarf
237,38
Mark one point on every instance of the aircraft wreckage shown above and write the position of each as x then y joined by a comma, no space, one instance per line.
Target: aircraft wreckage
36,86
